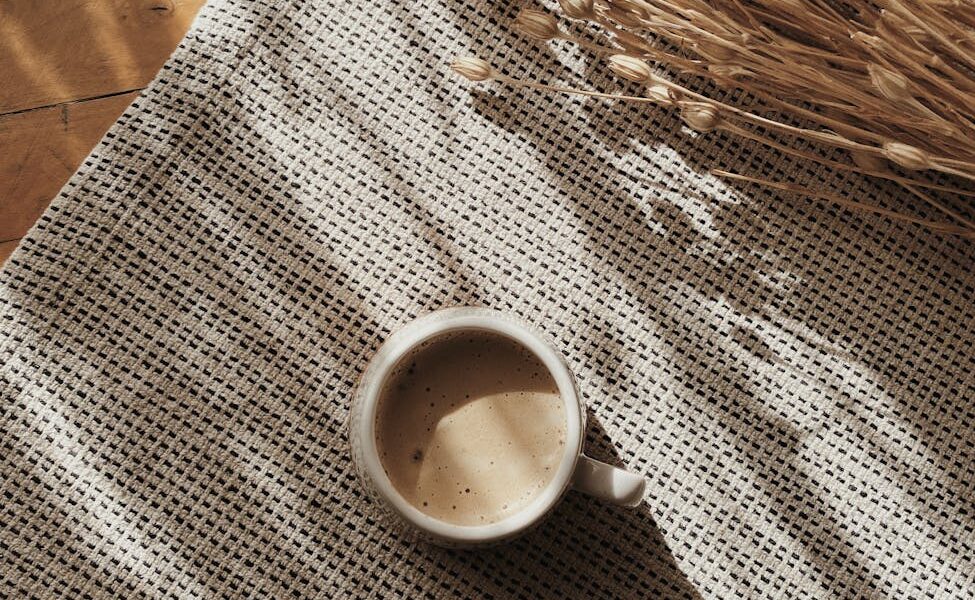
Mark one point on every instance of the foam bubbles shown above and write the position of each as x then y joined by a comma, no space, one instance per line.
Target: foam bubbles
470,428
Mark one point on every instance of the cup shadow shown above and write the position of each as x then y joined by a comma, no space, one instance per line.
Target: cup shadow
584,549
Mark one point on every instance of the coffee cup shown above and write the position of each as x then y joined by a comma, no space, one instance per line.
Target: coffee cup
537,410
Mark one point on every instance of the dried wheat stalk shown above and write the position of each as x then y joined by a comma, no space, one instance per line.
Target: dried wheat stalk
890,82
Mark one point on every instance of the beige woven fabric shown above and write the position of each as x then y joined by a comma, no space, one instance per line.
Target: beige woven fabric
181,333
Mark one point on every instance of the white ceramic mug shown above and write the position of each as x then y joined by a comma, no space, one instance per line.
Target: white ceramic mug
575,470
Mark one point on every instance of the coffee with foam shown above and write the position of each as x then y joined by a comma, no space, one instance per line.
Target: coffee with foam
470,427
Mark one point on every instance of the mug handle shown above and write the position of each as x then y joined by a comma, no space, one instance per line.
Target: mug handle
608,483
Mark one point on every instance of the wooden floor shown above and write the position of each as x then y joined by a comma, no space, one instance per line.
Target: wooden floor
68,68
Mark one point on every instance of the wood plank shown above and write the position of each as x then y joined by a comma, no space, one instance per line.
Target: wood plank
42,148
6,249
65,50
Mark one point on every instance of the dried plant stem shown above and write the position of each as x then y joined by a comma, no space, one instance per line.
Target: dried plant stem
841,201
598,49
744,115
745,133
940,206
698,69
936,32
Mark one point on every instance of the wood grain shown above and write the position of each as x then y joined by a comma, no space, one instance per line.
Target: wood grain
65,50
68,68
6,249
44,148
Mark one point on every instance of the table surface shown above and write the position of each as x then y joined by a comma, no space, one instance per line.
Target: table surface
68,69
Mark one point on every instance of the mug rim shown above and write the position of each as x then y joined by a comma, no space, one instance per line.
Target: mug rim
436,324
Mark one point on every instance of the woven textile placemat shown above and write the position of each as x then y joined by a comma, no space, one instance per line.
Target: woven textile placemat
182,331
